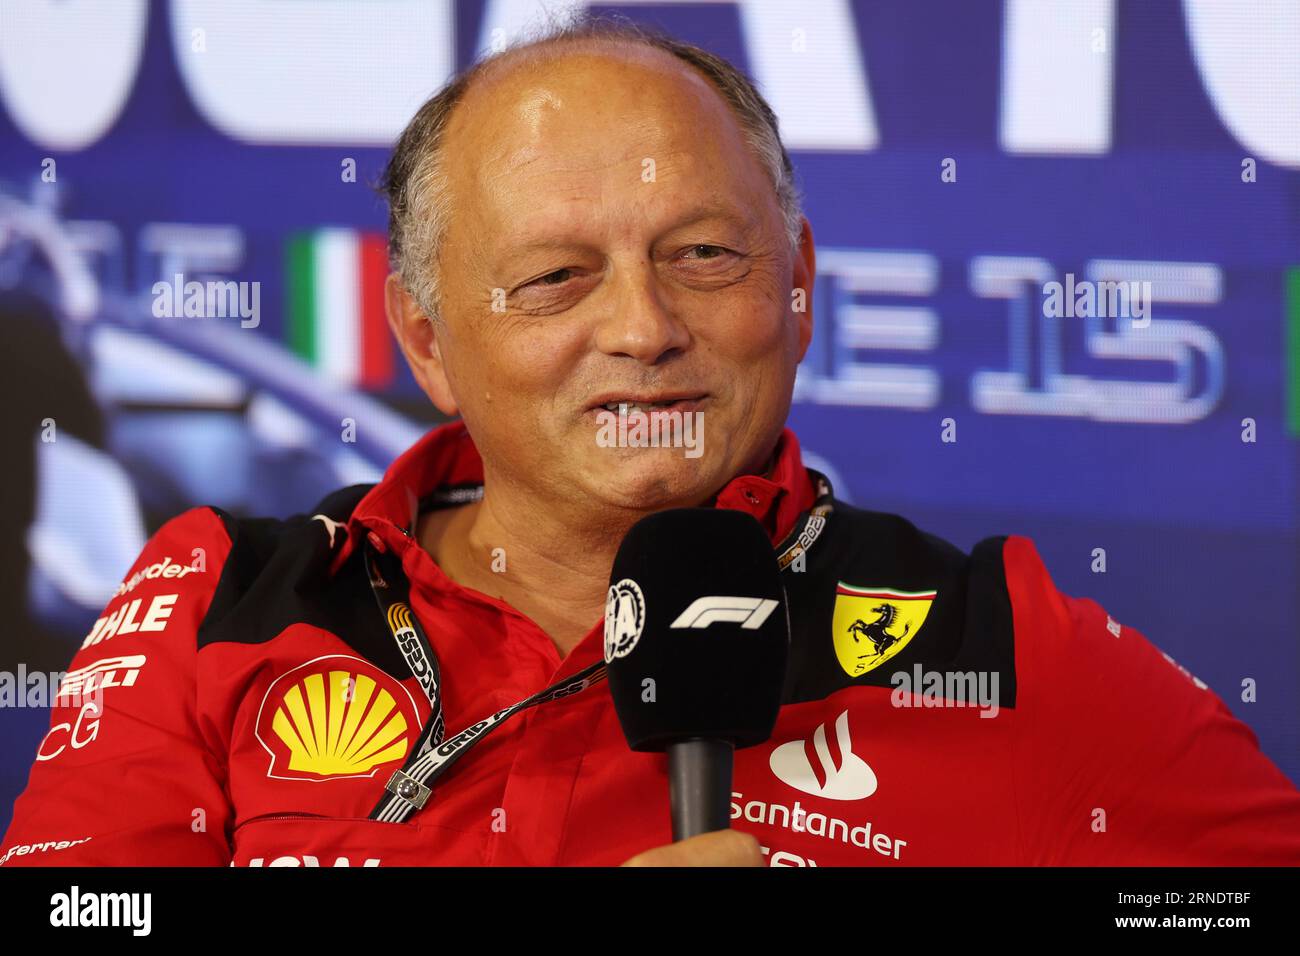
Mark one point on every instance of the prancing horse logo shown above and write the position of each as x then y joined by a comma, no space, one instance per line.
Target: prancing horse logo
877,632
871,625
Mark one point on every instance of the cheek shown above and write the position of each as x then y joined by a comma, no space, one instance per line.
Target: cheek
761,330
525,363
538,357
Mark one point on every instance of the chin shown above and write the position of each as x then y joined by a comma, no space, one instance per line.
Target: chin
652,478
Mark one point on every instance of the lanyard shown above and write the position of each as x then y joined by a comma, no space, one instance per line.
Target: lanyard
409,788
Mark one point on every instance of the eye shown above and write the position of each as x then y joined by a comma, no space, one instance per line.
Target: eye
558,277
710,252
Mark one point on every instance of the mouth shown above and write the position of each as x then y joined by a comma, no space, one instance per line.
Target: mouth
648,404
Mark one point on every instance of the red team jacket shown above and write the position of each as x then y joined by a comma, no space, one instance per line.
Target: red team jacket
243,702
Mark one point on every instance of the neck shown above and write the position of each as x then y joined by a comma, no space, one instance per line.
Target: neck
534,558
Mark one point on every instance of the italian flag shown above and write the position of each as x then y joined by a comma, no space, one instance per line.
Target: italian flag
335,294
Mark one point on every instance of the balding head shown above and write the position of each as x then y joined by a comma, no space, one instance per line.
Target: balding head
417,181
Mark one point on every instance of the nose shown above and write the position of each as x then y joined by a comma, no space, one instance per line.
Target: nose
641,325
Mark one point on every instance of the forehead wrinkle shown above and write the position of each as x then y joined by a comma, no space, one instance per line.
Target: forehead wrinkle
678,174
539,174
519,162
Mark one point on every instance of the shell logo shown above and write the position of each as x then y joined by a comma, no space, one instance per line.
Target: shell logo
333,718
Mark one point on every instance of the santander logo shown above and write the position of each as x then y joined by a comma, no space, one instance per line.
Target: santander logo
849,779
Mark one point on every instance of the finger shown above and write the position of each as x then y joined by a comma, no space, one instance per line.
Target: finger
721,848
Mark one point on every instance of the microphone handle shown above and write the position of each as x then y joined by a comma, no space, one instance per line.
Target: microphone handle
699,786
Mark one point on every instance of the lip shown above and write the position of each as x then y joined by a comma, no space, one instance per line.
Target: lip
677,401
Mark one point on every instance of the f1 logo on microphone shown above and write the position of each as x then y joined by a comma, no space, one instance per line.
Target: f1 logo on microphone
749,613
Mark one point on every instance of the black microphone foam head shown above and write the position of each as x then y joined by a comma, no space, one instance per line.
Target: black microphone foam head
696,629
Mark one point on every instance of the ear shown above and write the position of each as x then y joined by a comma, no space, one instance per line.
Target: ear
805,271
416,334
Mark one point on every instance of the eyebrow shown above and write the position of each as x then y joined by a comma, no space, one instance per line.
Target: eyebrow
716,210
711,210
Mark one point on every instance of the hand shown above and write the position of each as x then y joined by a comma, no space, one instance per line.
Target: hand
720,848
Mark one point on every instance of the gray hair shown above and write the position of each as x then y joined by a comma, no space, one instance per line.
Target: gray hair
415,180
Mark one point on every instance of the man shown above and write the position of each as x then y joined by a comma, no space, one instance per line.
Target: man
605,222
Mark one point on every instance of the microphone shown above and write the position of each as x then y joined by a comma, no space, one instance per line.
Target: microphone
696,640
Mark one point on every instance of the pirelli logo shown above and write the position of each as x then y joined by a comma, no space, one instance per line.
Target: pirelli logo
95,678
